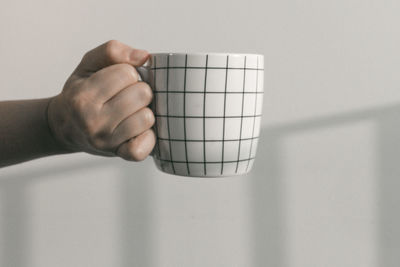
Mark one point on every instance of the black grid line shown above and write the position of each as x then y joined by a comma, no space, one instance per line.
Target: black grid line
207,117
155,112
223,127
205,140
208,162
208,92
204,116
254,123
241,116
184,115
211,68
169,132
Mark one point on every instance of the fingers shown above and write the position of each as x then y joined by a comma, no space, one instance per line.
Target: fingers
127,102
101,139
138,148
107,82
106,105
109,53
132,126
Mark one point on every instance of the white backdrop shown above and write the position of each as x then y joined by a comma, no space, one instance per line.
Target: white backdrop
324,191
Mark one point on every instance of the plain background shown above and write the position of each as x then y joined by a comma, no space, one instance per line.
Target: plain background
324,190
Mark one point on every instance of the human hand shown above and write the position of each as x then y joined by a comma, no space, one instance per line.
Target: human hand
102,108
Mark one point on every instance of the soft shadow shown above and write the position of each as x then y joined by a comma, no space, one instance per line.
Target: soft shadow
135,207
15,221
15,211
268,237
137,223
389,188
267,199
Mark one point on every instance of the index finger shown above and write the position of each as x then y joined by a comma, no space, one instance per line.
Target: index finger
110,53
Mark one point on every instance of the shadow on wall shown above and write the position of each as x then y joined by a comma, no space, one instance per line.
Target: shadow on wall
15,214
268,219
137,221
135,209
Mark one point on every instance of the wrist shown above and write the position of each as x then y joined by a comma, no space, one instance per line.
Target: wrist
51,122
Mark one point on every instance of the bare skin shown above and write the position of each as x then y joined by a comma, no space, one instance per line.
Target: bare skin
101,110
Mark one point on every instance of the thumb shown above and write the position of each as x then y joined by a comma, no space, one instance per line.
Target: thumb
110,53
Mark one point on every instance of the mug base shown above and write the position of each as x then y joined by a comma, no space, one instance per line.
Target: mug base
209,170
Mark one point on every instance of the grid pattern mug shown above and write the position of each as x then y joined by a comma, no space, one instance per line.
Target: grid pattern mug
208,111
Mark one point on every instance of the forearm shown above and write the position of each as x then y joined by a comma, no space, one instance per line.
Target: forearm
24,132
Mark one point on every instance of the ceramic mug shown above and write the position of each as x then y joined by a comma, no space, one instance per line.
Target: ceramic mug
208,111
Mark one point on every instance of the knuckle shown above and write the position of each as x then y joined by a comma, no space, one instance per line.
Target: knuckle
127,71
145,92
136,153
112,48
149,118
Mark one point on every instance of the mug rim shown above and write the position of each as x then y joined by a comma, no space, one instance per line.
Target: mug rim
205,54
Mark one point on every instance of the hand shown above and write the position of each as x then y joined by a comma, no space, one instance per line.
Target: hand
102,108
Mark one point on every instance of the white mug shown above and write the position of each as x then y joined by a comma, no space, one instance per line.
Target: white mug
208,111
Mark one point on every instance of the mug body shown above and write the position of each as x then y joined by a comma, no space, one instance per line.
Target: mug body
208,112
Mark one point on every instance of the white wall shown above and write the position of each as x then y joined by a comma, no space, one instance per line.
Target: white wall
324,191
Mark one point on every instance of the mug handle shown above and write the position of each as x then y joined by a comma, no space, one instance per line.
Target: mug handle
144,76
